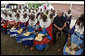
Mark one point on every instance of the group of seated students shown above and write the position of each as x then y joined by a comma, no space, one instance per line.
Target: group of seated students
38,29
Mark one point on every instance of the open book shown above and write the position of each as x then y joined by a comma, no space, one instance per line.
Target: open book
20,30
71,51
39,37
27,33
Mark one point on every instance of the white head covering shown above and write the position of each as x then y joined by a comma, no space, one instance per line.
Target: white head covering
17,19
79,29
11,18
23,20
45,24
15,6
4,17
32,22
50,7
39,18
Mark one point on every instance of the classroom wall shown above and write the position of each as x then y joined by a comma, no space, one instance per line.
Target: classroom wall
77,9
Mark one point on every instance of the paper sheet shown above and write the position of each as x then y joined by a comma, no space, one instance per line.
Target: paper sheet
71,52
39,37
27,34
19,31
68,49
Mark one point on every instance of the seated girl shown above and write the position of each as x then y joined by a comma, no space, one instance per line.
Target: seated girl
4,16
23,19
11,19
14,29
44,36
75,43
28,37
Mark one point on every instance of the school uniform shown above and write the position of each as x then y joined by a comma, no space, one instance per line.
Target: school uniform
47,29
77,38
68,21
14,30
4,24
22,24
28,40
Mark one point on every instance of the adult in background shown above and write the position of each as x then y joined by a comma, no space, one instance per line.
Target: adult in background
68,17
59,24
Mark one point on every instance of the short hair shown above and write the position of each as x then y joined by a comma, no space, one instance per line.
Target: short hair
69,11
60,11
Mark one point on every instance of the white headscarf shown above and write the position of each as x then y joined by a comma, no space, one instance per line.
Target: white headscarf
11,18
24,20
3,16
39,18
32,22
79,29
17,19
45,24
